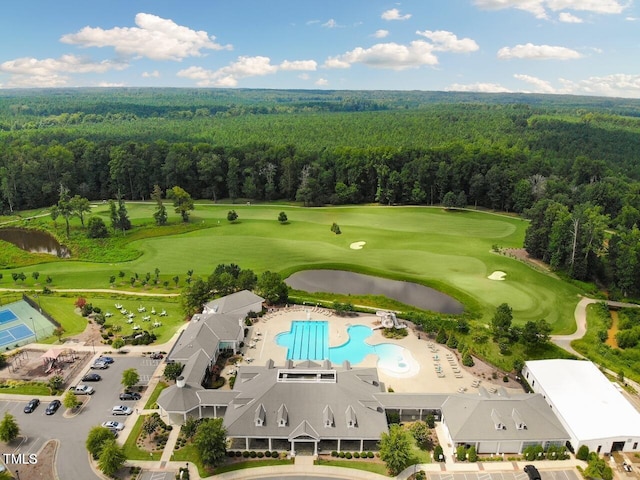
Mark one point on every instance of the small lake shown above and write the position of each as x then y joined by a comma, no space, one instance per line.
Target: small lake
34,241
339,281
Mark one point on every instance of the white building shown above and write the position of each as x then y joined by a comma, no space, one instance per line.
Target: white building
589,406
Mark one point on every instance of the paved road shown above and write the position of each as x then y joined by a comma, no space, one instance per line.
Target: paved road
72,461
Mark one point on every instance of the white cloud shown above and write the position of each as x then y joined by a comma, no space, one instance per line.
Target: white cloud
154,37
615,85
540,7
381,33
110,85
540,86
538,52
394,14
244,67
322,82
53,72
477,87
387,55
448,42
568,18
154,74
304,76
299,65
331,23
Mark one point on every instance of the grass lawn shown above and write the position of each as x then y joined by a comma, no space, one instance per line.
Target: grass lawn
379,468
30,388
155,394
450,251
62,308
131,450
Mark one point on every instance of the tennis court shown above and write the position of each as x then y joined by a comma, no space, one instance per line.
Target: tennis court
15,334
6,315
21,324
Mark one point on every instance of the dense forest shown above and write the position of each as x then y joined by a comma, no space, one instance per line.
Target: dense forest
570,164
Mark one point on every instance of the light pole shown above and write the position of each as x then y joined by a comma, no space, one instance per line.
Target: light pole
94,347
17,475
33,323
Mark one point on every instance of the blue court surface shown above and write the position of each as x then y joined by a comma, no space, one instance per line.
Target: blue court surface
15,334
7,315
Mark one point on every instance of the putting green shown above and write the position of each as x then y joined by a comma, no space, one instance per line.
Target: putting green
450,251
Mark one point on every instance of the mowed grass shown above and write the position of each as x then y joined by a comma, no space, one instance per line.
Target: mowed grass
447,250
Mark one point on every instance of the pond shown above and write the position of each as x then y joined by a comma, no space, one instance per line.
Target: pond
339,281
34,241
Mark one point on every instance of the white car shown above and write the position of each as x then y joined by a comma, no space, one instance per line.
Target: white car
121,410
113,425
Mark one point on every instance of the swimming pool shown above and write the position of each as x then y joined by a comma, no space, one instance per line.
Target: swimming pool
309,340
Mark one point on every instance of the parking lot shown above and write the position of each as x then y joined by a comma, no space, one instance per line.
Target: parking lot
516,475
72,432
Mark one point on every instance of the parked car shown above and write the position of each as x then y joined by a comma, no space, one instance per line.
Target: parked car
121,410
533,472
31,406
82,390
98,365
53,407
111,425
107,360
91,377
157,356
130,396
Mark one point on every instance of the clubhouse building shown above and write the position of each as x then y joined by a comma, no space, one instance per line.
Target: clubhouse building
319,407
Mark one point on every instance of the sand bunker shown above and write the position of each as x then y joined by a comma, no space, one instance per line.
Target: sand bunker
497,275
357,245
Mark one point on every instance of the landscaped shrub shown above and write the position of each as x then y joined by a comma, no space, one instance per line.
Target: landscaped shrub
438,454
582,453
238,453
341,455
472,454
260,454
370,455
252,454
334,454
245,454
267,454
231,453
348,455
461,453
356,455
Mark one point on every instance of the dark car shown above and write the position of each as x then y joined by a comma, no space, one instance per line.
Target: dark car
53,407
157,356
91,377
31,406
107,360
532,471
129,396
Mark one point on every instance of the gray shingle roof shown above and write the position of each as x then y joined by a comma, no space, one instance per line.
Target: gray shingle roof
471,418
233,302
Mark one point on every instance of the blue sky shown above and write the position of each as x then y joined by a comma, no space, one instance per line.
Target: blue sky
583,47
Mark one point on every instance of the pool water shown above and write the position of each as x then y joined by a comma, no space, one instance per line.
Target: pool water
309,340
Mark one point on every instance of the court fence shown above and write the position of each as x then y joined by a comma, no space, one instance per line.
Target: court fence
37,306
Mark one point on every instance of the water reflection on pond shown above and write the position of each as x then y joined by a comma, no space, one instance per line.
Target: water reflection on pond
339,281
34,241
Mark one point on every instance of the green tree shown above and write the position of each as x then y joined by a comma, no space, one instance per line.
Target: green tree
211,441
70,400
96,438
335,228
233,178
449,201
232,216
96,228
420,432
271,286
80,207
176,280
123,221
395,449
182,201
35,275
438,453
113,215
582,453
111,458
282,218
58,332
194,296
65,209
535,333
472,454
118,343
173,371
501,321
461,453
9,429
598,468
130,377
160,215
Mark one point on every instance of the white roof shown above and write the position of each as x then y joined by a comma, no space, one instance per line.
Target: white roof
587,401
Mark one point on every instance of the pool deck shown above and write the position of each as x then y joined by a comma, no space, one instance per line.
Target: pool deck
423,377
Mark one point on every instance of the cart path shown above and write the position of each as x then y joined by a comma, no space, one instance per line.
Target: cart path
97,290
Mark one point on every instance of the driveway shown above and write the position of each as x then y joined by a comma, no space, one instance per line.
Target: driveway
72,460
